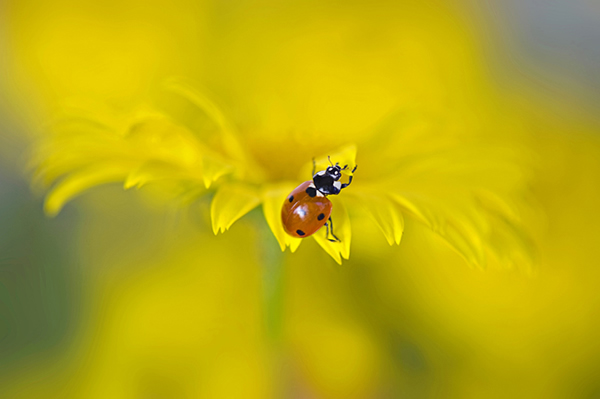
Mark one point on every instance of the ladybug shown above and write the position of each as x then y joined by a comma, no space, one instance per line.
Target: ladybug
306,209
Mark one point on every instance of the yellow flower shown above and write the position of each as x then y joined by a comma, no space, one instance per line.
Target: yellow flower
412,165
180,312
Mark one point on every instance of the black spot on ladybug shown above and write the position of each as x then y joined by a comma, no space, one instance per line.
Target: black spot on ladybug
311,191
291,198
321,216
300,232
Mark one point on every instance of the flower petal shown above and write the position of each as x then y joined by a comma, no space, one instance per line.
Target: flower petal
231,202
230,141
152,146
465,241
67,150
341,229
153,171
273,197
507,236
344,156
384,211
214,168
459,224
78,182
424,215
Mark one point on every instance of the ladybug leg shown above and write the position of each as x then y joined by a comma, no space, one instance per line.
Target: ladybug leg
328,231
349,179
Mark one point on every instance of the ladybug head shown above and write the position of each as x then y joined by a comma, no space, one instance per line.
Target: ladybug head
335,171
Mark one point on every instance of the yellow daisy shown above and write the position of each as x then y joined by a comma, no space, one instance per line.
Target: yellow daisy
412,165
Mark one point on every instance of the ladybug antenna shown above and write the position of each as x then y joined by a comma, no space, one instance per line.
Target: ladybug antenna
329,160
345,167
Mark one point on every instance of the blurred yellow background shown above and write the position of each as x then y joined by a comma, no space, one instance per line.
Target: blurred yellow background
126,295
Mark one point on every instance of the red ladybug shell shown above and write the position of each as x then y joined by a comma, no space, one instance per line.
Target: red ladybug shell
303,215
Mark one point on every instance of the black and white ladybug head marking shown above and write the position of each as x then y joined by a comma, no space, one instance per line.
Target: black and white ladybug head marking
335,172
327,181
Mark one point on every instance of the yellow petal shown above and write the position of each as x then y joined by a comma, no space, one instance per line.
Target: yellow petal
344,156
152,171
231,202
78,182
465,241
457,223
214,168
172,152
508,238
341,229
273,197
230,141
423,214
64,153
384,211
158,138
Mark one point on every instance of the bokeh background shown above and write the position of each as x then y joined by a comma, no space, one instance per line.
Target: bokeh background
124,295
